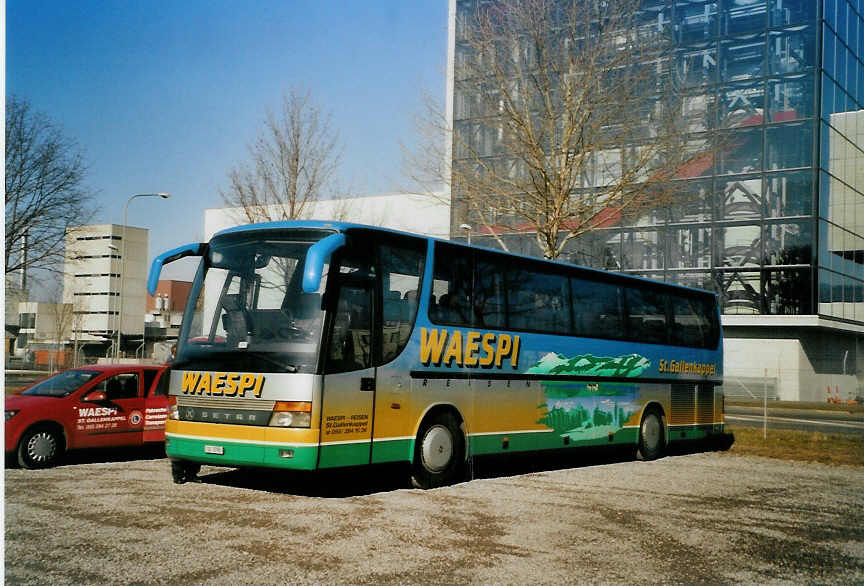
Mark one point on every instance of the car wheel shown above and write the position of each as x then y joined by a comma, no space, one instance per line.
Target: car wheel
40,447
652,440
438,453
183,472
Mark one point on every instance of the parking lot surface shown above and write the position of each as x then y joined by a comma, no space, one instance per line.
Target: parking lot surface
697,518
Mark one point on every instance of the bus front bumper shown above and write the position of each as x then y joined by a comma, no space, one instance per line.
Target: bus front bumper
229,445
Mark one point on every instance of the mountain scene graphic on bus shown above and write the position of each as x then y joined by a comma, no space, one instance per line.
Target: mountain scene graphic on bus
588,411
628,365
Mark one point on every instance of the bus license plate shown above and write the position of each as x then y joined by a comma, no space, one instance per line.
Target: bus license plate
218,450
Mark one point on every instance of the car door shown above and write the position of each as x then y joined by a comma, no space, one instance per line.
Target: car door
155,404
118,420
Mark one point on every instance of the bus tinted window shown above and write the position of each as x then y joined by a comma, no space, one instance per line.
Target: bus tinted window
453,281
538,301
506,293
401,268
694,322
646,315
490,309
597,308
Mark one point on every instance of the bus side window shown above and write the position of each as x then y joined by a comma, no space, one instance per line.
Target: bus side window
692,322
490,310
646,316
453,266
538,301
401,268
351,338
596,309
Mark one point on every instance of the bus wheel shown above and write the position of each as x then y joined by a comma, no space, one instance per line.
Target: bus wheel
183,472
40,447
438,453
652,442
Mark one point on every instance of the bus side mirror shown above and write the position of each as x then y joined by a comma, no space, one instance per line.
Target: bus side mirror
316,257
196,249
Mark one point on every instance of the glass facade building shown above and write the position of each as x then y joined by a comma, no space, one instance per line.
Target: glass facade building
773,220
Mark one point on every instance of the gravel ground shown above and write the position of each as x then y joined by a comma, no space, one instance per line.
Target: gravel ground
697,518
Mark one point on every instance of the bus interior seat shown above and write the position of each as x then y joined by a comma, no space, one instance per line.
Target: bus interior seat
410,299
236,321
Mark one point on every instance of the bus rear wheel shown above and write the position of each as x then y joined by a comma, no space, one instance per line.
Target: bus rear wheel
183,472
652,436
439,453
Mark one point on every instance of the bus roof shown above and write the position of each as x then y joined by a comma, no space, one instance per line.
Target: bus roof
345,226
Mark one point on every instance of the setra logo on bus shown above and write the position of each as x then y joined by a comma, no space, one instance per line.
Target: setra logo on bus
468,349
227,384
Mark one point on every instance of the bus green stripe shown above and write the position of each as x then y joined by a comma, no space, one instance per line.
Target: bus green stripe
243,454
528,442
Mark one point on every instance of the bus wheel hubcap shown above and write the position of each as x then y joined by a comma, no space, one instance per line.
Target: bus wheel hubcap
41,447
651,431
437,448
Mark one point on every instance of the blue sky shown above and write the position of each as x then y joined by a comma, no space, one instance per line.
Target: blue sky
165,96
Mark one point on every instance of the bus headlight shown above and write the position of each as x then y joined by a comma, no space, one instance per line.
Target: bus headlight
291,414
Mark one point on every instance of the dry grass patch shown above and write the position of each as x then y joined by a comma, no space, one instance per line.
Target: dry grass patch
786,444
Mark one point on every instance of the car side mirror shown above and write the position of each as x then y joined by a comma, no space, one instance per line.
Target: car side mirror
95,397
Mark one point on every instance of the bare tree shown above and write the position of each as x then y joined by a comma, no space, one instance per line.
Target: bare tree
291,164
44,189
568,119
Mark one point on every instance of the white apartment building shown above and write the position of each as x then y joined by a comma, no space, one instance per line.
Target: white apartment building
95,271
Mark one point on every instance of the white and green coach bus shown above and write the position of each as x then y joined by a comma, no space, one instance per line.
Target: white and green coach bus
310,345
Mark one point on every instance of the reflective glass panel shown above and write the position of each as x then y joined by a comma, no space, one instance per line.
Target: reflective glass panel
742,151
697,20
787,292
785,12
689,247
739,246
792,50
741,292
789,243
742,57
739,198
791,98
788,194
789,146
743,16
742,104
697,65
829,42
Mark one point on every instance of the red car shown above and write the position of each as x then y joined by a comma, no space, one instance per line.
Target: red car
87,407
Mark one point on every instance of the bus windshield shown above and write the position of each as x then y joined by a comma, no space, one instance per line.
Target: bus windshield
247,309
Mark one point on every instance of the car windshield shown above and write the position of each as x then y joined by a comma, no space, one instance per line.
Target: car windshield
248,310
62,384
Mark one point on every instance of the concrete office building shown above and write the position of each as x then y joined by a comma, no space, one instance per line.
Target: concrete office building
95,271
776,227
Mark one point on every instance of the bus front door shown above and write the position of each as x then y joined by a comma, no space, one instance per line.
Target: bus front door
348,394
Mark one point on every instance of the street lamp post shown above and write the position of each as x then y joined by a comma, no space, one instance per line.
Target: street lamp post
467,228
123,266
